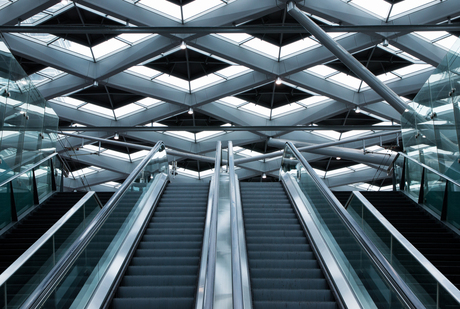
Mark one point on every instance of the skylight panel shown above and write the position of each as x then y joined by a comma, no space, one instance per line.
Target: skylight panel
200,136
263,47
127,110
286,109
139,154
386,77
347,80
409,5
235,37
339,171
68,101
41,37
58,6
432,35
149,102
379,8
448,42
354,133
116,154
108,47
313,100
50,72
298,46
5,3
98,110
233,101
111,184
331,134
322,70
205,81
38,79
182,134
173,81
411,69
144,71
198,7
257,109
233,71
134,37
36,18
73,47
165,8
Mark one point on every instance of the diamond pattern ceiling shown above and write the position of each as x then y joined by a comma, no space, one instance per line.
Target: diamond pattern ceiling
146,80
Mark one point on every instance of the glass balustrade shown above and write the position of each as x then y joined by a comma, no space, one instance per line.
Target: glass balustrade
79,282
365,278
403,257
24,275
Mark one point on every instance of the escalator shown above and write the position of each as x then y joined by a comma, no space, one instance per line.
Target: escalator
283,268
26,232
96,249
163,270
439,244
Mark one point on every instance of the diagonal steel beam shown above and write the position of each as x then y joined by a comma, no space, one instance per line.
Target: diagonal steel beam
351,62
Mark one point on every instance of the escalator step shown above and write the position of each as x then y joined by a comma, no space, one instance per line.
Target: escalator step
163,272
283,269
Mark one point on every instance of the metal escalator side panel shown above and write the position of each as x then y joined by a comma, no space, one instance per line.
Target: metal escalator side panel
340,286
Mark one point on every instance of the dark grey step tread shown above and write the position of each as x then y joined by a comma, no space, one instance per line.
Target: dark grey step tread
290,295
170,245
156,291
274,233
284,273
277,263
170,261
294,305
276,240
179,280
138,303
163,270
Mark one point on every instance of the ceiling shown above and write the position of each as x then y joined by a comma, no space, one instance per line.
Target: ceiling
228,79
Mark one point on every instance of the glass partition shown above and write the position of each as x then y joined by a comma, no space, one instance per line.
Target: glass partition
29,188
424,185
25,118
92,263
22,277
414,272
365,278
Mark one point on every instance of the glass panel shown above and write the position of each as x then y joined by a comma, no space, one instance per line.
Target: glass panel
434,191
25,118
413,179
368,283
26,278
414,273
431,127
23,192
57,164
5,205
453,209
43,179
95,259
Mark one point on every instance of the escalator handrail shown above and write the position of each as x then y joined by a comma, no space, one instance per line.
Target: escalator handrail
430,268
429,168
50,282
30,168
403,291
238,248
210,268
11,270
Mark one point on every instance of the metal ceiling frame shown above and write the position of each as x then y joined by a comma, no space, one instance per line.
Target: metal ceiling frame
110,71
